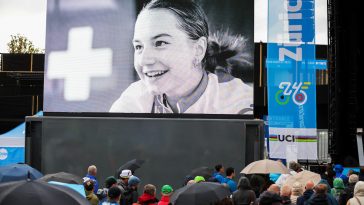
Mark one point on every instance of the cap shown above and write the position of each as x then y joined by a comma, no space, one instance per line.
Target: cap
126,173
199,179
166,189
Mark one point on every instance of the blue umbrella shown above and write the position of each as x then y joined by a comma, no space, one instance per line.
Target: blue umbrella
77,187
16,172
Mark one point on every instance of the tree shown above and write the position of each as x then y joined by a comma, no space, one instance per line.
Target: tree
21,44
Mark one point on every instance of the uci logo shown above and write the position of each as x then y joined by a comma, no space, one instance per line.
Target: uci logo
286,90
3,154
288,138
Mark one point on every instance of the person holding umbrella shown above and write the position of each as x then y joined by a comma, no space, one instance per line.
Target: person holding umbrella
89,190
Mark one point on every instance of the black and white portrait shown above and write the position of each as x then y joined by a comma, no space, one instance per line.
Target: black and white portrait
159,56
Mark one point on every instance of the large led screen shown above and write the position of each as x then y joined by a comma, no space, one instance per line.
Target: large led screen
139,56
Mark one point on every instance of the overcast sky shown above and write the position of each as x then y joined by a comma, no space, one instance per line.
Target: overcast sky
28,17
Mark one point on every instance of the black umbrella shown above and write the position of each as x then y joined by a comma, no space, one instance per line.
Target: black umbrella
38,193
205,172
62,177
200,194
132,165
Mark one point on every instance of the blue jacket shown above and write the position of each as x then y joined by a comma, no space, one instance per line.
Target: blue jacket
219,177
96,185
232,184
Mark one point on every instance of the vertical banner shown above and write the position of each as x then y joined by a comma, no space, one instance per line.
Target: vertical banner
291,79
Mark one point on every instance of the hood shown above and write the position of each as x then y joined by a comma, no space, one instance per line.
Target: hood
359,189
338,168
244,183
146,197
338,183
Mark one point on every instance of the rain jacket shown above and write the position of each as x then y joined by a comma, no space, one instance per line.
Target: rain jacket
96,185
147,199
338,188
219,177
164,200
358,194
232,184
305,197
92,198
244,195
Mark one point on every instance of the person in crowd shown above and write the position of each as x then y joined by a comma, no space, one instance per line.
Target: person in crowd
113,196
307,194
131,193
321,197
329,174
191,182
297,191
166,191
358,198
178,64
274,188
148,196
102,193
286,194
199,179
91,174
244,194
270,198
218,174
89,191
123,183
230,174
338,188
349,190
293,168
338,168
325,182
224,201
259,184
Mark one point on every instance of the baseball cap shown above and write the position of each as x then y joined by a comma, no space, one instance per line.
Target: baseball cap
126,173
166,189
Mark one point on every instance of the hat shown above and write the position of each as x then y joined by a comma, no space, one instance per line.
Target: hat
338,168
353,178
199,179
133,180
126,173
110,181
166,189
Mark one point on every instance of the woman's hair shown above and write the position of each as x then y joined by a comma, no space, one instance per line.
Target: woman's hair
193,21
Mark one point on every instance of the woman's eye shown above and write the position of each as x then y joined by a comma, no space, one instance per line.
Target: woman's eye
138,47
160,43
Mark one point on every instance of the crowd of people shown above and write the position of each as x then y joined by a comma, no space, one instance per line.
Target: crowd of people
334,188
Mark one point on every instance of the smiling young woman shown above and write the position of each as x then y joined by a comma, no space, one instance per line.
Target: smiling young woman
173,54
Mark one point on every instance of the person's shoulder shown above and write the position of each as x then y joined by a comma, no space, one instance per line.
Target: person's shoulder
135,99
233,95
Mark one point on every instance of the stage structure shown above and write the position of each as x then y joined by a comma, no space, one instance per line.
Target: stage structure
170,147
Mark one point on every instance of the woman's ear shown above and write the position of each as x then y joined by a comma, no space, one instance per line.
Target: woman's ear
201,47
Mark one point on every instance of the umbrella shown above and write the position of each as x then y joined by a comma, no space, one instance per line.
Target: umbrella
15,172
265,166
38,193
132,165
205,172
77,187
62,177
200,193
303,177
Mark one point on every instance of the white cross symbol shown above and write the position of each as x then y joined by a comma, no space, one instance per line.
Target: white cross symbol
79,64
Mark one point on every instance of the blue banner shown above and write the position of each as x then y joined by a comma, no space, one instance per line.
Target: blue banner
291,72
